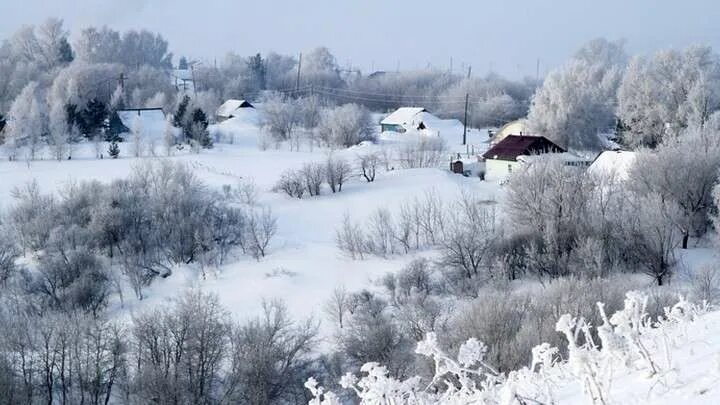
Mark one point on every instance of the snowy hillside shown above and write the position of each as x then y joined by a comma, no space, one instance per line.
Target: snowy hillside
304,265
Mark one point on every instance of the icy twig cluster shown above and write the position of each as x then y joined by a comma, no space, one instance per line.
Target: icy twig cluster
626,341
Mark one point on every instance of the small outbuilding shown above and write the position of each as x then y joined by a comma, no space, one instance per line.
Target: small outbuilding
613,164
407,119
230,108
502,158
456,166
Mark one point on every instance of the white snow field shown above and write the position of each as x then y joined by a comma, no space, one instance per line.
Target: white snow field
303,265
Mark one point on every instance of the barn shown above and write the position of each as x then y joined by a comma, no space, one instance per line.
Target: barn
230,108
405,119
502,158
151,121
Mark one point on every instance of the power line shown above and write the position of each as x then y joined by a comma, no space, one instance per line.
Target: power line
367,93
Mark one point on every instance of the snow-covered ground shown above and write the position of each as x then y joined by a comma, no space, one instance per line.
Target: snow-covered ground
304,265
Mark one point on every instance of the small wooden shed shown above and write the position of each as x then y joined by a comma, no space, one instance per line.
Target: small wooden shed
456,166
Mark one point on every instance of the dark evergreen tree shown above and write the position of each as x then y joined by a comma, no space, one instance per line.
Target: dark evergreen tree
92,118
114,150
179,117
65,51
115,127
71,115
2,122
183,63
199,128
256,64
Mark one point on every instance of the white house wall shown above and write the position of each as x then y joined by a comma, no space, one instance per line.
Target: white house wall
499,170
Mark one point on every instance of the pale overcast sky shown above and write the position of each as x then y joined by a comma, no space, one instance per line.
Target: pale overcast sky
503,36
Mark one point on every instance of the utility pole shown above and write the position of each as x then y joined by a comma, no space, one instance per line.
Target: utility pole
297,81
537,72
121,82
469,71
467,96
192,72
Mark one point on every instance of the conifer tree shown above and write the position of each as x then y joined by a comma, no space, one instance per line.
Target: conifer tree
114,150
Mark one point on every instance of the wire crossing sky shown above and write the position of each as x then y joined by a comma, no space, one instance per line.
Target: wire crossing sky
507,37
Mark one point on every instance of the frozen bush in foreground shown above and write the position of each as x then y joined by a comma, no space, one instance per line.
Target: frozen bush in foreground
628,341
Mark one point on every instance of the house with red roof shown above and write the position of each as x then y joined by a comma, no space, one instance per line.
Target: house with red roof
502,158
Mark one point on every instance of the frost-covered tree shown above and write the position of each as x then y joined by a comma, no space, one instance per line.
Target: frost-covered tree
279,118
257,68
132,48
27,121
685,172
271,356
59,136
45,45
88,92
494,100
662,95
319,68
368,164
144,84
169,138
547,204
337,172
279,70
576,102
345,126
183,63
137,136
652,231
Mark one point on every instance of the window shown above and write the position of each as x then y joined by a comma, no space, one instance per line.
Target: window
509,168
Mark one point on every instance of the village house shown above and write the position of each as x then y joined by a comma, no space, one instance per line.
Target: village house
507,155
230,108
404,119
151,121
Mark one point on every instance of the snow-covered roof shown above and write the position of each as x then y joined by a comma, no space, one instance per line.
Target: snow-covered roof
403,116
227,109
151,120
613,163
